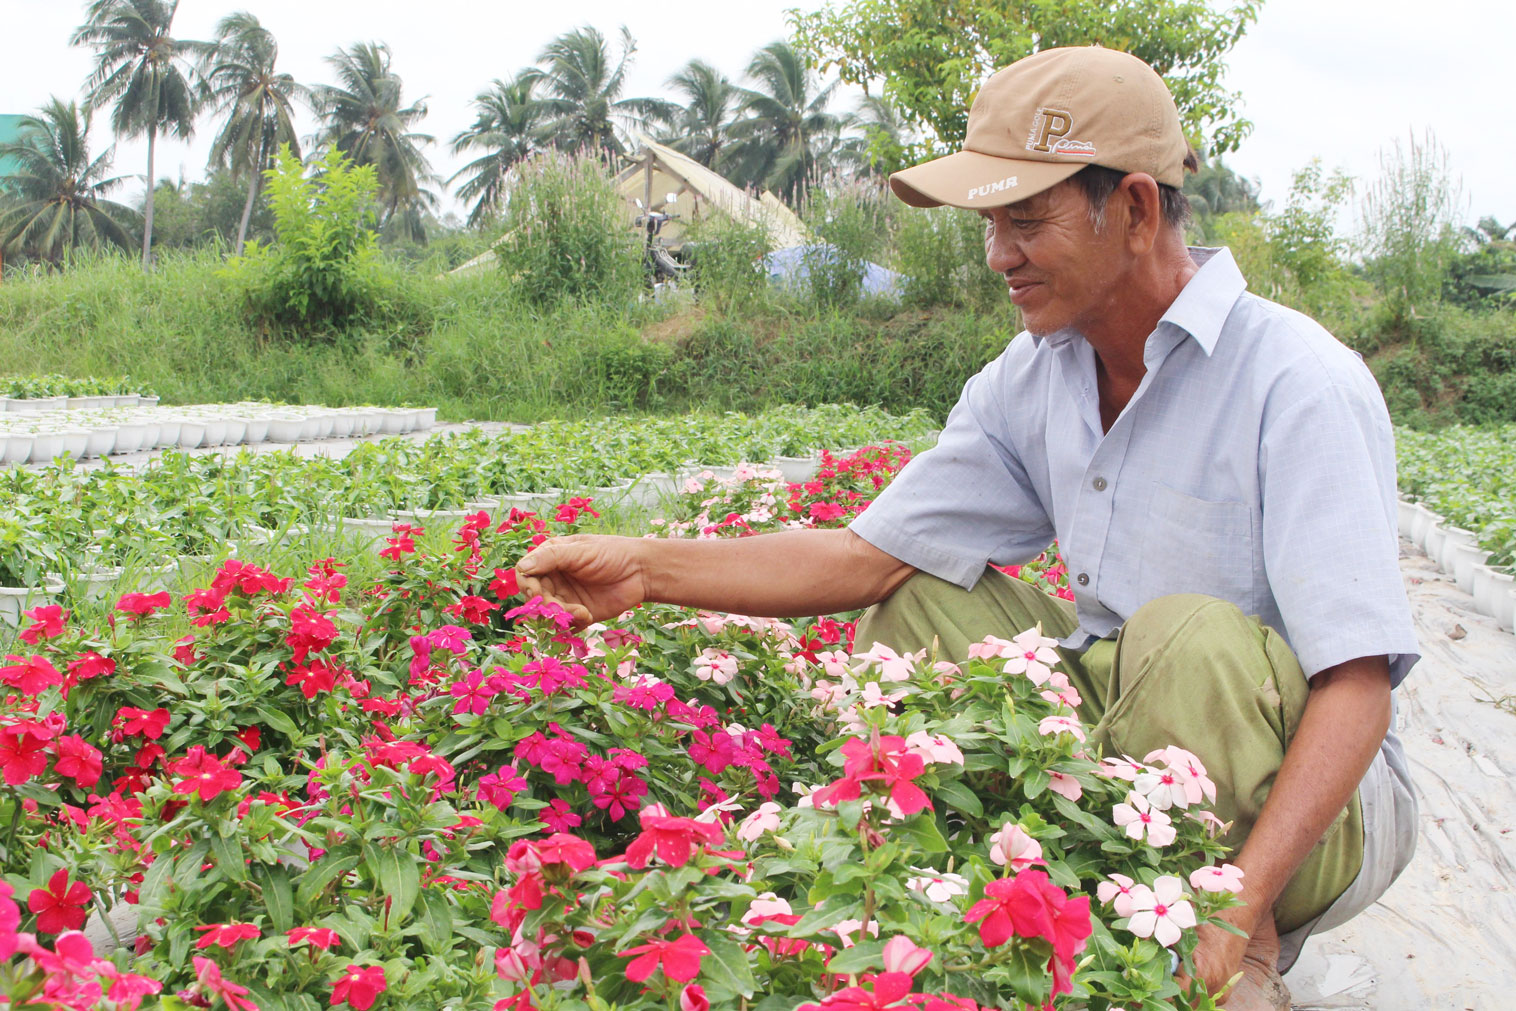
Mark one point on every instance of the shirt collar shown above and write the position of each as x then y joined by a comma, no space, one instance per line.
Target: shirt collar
1203,304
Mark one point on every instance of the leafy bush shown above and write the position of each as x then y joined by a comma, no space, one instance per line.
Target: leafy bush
567,235
727,254
940,253
853,223
322,270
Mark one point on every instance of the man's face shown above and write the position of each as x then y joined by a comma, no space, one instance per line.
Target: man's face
1061,272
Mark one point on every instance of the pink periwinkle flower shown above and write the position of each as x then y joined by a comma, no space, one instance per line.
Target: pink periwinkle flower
1012,846
1140,819
1161,912
1218,878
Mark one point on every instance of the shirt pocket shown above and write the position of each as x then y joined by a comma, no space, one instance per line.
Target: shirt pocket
1196,545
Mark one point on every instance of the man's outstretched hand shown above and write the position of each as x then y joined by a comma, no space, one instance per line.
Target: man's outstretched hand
594,578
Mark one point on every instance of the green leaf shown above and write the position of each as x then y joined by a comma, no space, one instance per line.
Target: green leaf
278,898
960,797
921,833
399,878
436,920
320,875
819,919
228,854
727,964
867,955
280,722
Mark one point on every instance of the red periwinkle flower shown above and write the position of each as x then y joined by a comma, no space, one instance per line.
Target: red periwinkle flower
203,774
680,959
360,986
226,935
140,605
316,937
30,675
209,975
78,760
150,723
49,624
672,839
692,998
10,919
59,906
504,584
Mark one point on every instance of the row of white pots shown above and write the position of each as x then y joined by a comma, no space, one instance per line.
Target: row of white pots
38,439
39,405
1457,553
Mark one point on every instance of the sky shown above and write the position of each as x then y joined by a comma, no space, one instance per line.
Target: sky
1339,80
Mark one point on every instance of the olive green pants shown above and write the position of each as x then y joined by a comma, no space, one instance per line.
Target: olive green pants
1188,669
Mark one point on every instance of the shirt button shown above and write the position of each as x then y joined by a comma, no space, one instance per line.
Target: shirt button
1100,484
1083,579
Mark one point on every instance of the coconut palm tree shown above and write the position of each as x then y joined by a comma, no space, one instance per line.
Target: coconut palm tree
146,73
257,101
507,129
786,131
882,143
366,119
702,129
582,85
54,198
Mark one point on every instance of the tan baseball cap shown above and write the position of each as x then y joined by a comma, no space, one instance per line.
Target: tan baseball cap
1040,120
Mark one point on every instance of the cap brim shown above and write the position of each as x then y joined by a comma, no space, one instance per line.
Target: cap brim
973,180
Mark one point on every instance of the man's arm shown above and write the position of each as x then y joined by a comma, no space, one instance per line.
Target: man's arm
1346,718
796,572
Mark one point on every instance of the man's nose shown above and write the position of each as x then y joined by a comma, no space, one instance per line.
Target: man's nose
1002,252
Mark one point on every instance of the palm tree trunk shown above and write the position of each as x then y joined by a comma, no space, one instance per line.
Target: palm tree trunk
147,224
247,210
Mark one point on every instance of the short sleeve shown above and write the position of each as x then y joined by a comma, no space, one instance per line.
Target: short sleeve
969,499
1327,473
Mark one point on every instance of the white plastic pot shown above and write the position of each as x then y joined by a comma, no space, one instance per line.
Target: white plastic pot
1505,610
151,432
169,432
100,442
393,422
1490,584
325,425
310,429
18,447
129,438
342,424
191,433
1452,538
1465,557
284,430
215,432
45,446
426,419
76,442
1405,513
257,431
1421,523
14,600
236,431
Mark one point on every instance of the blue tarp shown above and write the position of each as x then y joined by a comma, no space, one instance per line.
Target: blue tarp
791,266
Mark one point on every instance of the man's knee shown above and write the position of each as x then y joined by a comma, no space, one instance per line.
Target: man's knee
1184,623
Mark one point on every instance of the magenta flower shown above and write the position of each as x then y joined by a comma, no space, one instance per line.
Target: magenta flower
60,906
49,619
30,676
473,692
226,935
316,937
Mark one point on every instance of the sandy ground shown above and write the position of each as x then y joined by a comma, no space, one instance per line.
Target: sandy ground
1444,935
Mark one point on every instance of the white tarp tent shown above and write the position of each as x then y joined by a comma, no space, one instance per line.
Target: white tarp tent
658,173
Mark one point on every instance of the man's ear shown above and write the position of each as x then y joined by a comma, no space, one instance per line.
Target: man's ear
1141,211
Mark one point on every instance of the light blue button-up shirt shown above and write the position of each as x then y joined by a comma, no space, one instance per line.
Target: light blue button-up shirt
1254,463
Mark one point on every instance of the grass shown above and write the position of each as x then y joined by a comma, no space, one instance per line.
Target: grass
471,347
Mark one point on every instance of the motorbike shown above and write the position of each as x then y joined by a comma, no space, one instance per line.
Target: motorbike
659,263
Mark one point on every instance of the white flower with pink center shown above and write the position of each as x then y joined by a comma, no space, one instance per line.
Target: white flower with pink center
991,647
939,886
1126,767
874,696
901,954
1065,785
1052,726
1013,847
716,665
1218,878
936,748
1161,912
1164,788
848,931
1139,819
1118,893
1189,769
766,905
1031,653
765,819
892,666
835,663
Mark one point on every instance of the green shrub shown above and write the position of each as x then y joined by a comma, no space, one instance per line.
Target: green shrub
567,234
1409,226
726,255
322,271
940,253
852,222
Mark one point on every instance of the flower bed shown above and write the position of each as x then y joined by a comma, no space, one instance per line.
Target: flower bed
1468,476
421,790
61,519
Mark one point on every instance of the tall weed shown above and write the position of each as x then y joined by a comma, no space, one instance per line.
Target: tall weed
568,236
940,253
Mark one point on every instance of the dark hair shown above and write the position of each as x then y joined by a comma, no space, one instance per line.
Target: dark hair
1097,183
